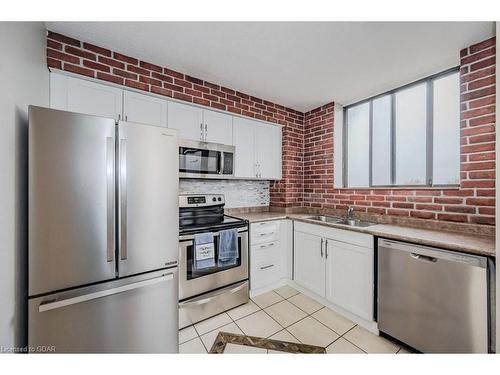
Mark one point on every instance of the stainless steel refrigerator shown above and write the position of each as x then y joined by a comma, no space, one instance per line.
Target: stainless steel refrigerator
103,235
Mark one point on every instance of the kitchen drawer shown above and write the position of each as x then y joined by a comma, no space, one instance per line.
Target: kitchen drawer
264,232
265,273
264,253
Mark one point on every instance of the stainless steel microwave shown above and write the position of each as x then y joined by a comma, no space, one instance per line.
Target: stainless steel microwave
205,160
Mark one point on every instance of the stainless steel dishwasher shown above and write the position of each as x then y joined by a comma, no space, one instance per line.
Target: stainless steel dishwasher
434,300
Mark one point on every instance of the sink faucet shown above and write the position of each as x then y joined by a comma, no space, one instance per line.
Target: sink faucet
350,211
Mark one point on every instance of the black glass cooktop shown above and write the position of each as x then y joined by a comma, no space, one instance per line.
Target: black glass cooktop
200,225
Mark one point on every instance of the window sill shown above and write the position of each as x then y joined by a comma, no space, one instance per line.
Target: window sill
415,187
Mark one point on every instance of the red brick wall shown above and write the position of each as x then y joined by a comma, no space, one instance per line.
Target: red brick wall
318,157
83,58
473,202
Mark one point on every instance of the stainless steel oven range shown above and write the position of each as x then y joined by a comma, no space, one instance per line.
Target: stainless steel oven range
208,291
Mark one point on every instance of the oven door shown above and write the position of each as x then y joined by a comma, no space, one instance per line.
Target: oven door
193,282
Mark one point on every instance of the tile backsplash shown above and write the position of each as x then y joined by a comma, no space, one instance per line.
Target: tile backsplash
238,193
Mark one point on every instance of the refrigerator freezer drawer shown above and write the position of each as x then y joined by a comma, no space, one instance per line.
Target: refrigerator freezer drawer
133,315
433,300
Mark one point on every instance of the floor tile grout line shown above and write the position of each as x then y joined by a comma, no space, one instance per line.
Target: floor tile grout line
331,329
194,338
304,310
350,342
345,338
370,332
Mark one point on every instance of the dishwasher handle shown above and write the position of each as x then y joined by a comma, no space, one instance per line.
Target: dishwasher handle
425,258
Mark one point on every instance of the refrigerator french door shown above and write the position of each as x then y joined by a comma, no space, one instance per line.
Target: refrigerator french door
103,234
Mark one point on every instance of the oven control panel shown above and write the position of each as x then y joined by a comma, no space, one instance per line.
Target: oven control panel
200,200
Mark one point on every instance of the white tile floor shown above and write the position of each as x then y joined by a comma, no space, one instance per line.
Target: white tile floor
285,314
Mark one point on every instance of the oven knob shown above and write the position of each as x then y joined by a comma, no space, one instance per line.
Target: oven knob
219,199
214,199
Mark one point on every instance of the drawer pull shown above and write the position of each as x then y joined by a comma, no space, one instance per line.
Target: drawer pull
266,234
268,245
266,267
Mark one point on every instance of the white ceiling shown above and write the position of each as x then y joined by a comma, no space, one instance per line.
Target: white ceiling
299,65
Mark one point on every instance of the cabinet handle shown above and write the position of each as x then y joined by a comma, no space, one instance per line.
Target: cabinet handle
266,234
268,245
206,131
126,118
266,267
326,248
119,117
201,131
321,248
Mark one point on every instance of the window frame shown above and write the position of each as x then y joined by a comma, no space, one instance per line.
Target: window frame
429,83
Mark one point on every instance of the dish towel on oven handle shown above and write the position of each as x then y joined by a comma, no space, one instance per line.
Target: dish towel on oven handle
228,247
204,251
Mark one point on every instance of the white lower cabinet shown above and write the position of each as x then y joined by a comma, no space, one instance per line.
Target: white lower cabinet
337,265
349,277
270,254
309,262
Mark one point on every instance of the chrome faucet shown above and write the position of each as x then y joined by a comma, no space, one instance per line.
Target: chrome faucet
350,211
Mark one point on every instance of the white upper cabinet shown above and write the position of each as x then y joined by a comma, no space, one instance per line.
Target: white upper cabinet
144,109
258,149
268,151
244,143
82,96
218,127
199,124
187,119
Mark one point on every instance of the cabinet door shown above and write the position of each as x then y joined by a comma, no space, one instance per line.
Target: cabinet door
309,263
82,96
144,109
349,277
218,127
268,151
187,119
244,142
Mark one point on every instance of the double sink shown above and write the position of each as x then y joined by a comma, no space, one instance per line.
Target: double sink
342,221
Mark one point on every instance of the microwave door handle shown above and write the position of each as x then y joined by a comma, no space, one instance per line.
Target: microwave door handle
220,156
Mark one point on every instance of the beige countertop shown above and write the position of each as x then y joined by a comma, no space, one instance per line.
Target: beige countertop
470,243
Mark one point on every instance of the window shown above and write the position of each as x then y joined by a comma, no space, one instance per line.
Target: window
407,137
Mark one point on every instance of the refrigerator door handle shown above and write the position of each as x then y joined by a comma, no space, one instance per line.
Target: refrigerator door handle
123,199
52,305
110,181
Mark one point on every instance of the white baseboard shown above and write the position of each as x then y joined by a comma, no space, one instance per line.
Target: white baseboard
267,288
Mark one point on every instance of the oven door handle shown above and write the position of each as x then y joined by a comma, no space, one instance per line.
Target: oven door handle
188,237
204,300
